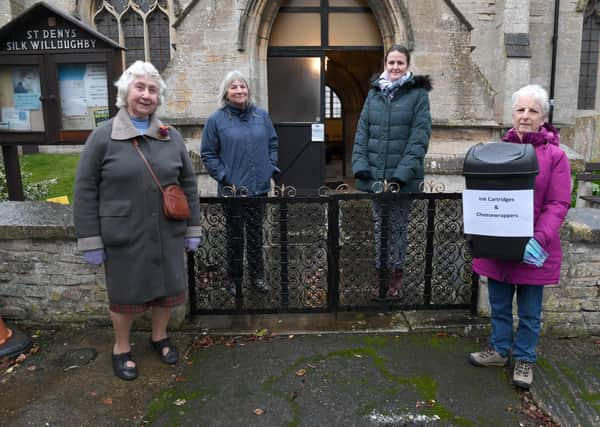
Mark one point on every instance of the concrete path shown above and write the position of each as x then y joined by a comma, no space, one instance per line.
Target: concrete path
401,369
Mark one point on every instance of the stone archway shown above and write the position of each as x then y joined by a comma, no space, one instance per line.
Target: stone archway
351,95
258,16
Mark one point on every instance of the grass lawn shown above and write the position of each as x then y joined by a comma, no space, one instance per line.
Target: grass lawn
64,166
43,166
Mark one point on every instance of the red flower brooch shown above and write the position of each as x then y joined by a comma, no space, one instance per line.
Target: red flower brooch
163,131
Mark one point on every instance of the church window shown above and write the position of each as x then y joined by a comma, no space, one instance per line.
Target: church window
142,26
588,67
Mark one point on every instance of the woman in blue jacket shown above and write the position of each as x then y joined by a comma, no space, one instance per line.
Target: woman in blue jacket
239,150
389,147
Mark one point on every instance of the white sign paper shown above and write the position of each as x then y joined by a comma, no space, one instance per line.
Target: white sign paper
507,213
17,119
318,132
96,92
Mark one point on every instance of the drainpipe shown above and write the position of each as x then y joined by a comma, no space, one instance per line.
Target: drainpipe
554,51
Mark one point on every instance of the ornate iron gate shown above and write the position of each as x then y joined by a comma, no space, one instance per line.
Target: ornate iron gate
323,254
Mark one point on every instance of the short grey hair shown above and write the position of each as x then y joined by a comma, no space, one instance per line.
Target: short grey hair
135,70
230,78
536,92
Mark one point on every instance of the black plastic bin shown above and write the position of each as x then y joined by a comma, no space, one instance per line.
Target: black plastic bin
499,166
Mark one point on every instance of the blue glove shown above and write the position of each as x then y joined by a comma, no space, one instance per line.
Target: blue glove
95,256
534,254
192,243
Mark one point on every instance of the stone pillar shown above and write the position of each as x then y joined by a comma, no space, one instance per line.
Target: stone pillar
517,73
5,14
587,137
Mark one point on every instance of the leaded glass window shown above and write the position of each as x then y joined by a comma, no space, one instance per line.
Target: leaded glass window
588,66
158,30
133,28
142,26
333,105
108,25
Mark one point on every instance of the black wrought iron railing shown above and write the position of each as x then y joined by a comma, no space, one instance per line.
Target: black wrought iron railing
333,252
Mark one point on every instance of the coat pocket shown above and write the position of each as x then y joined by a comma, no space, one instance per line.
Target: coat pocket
114,222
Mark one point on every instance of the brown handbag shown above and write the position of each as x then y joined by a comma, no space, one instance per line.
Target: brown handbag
175,204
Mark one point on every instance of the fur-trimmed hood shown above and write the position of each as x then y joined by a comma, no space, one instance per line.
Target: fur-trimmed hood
416,81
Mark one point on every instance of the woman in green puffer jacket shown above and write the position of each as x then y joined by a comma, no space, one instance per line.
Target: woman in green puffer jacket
389,148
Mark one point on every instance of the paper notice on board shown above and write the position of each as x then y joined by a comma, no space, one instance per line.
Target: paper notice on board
100,115
498,213
318,132
73,104
26,88
96,91
72,89
16,119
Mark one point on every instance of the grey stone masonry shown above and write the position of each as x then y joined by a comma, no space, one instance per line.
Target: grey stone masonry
43,277
44,280
573,308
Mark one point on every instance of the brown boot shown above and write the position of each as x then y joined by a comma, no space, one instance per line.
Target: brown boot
395,284
381,280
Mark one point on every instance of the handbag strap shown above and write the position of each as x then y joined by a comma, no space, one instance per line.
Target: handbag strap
136,145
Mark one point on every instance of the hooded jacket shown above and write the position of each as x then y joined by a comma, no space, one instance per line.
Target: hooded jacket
551,202
240,148
392,135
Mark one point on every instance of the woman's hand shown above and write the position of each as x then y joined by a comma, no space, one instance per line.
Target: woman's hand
192,243
94,256
534,254
364,175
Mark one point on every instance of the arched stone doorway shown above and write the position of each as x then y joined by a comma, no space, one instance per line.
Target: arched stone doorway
348,68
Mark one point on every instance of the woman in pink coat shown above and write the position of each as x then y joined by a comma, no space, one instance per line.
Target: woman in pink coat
542,258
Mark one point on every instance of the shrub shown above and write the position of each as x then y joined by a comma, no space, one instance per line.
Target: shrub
31,190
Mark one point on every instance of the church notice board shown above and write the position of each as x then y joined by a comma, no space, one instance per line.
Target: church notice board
56,77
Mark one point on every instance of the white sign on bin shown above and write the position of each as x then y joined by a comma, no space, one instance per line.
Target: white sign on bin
506,213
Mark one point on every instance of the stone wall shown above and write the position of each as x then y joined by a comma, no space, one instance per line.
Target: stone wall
587,136
44,280
574,307
43,277
460,43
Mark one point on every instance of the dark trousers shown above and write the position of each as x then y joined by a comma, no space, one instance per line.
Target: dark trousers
245,229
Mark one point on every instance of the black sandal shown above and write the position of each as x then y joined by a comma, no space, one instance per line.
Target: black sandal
119,363
172,355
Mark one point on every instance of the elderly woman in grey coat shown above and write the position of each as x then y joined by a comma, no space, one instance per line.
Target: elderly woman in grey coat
118,213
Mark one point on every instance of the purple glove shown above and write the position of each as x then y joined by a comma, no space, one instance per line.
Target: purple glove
192,243
95,256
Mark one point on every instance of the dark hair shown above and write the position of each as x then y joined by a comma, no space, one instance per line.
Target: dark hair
398,48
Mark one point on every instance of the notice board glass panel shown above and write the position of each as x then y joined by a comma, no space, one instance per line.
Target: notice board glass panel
83,95
20,104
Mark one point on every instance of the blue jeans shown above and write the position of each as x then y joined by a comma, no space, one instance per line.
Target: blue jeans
529,309
397,212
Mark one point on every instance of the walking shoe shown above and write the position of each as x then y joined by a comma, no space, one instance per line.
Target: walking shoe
523,374
488,357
